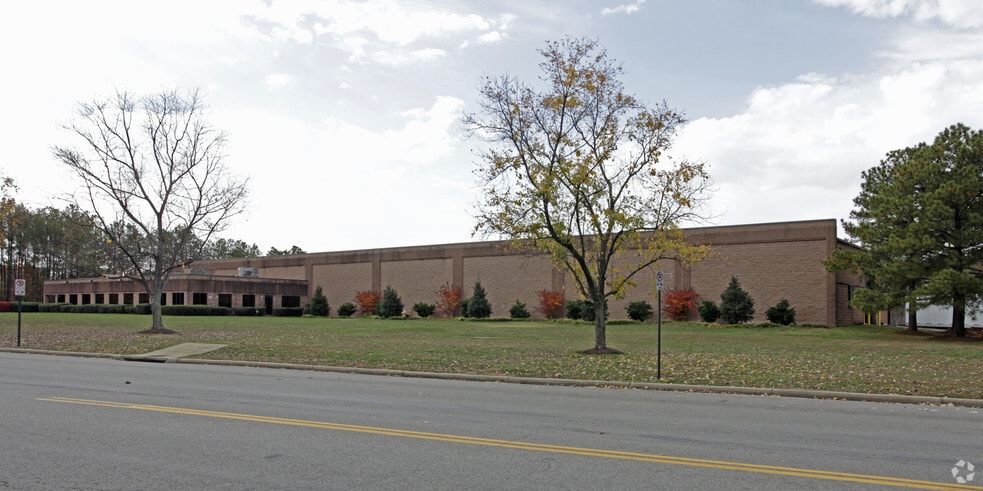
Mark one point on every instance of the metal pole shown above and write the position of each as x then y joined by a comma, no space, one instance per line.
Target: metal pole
658,372
19,302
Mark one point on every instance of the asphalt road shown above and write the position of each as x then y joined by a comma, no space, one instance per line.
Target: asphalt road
77,423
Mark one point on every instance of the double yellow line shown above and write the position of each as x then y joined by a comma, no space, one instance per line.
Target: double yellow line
537,447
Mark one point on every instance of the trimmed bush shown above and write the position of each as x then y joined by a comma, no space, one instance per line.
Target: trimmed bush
50,307
248,311
390,305
709,312
187,310
640,311
736,305
478,305
424,309
346,309
288,311
519,311
782,313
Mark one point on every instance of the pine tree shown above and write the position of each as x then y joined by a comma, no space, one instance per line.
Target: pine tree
736,305
390,305
478,306
318,306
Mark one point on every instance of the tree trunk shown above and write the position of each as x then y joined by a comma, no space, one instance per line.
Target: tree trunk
600,332
958,316
912,318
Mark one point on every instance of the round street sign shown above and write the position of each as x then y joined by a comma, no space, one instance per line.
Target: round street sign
20,287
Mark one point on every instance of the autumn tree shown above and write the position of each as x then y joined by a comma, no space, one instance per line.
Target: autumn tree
578,169
919,221
153,175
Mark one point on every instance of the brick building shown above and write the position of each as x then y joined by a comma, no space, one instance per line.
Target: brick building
772,261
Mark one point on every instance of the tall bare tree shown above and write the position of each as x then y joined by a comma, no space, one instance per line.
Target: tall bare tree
579,169
153,174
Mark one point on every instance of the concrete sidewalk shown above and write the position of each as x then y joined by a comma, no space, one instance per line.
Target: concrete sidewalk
172,353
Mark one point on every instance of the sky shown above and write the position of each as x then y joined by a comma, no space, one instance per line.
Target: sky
345,116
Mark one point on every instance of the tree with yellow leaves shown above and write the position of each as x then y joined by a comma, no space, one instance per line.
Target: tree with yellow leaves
579,169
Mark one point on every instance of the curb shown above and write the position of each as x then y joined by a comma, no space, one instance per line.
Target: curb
710,389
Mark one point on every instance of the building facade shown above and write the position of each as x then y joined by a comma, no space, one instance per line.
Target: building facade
772,261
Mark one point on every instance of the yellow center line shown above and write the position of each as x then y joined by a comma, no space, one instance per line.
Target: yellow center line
539,447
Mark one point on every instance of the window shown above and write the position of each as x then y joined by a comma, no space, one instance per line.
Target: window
144,298
114,298
127,299
177,298
225,300
199,298
100,298
86,299
249,300
290,301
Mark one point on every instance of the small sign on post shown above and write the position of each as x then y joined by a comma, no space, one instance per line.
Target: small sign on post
20,289
659,286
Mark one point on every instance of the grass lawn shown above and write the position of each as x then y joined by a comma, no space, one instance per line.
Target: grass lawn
855,359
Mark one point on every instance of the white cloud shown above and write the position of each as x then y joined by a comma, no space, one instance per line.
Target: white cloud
962,14
628,8
276,81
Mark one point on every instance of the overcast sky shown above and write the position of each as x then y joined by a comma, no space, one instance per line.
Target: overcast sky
346,115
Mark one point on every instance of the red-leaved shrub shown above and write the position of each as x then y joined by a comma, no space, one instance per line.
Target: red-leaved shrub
366,302
677,304
448,298
550,303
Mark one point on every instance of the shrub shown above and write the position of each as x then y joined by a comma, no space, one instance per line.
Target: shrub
202,310
140,308
5,307
550,303
677,304
464,306
346,309
736,305
366,302
318,306
50,307
478,306
390,305
581,310
424,309
288,311
640,311
782,313
519,311
242,311
448,300
29,307
709,312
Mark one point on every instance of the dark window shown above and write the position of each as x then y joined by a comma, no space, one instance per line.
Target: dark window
73,298
114,298
127,299
61,298
86,299
163,299
290,301
100,298
144,298
249,300
199,298
225,300
177,298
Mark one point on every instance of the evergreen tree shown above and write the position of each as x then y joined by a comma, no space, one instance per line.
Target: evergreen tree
318,306
478,306
390,305
736,305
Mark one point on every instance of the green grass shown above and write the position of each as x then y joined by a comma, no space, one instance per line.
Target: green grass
855,359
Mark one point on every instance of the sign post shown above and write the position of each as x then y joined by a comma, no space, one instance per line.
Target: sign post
20,289
659,285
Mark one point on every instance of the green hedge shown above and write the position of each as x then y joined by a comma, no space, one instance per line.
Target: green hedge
288,311
194,310
248,311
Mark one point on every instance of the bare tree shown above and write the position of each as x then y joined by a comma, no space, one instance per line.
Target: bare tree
153,176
